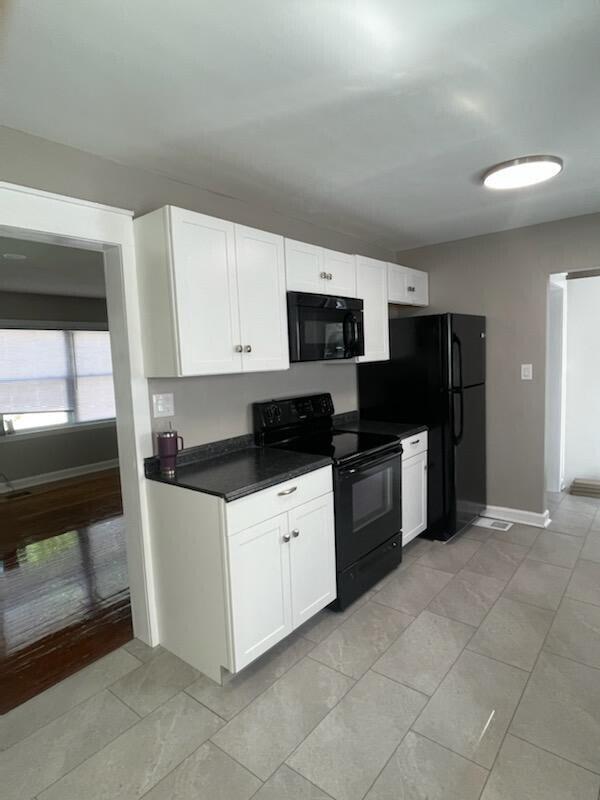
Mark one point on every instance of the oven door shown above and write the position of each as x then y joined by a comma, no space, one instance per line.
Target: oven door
368,506
322,327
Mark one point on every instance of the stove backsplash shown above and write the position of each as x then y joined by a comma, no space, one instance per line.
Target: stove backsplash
219,406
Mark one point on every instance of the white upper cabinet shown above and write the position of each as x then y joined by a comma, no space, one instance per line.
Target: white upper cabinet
407,286
340,271
261,290
372,287
319,271
304,267
212,295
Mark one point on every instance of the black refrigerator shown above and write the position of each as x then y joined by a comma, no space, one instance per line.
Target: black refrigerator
436,376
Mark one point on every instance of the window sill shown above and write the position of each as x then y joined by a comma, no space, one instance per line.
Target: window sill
34,433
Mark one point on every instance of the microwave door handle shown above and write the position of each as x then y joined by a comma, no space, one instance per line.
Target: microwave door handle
350,334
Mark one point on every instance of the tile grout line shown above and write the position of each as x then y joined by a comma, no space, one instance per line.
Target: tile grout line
105,745
525,687
125,703
85,700
227,721
239,763
562,758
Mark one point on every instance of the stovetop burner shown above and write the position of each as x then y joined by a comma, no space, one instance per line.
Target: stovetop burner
341,446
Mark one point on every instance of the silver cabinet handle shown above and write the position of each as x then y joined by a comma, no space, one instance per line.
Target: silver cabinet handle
329,276
286,537
295,533
287,491
248,348
323,275
411,288
416,441
238,348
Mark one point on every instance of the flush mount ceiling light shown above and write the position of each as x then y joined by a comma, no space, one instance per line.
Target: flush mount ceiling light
14,256
520,172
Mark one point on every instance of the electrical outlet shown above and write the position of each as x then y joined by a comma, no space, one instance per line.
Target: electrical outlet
163,405
526,372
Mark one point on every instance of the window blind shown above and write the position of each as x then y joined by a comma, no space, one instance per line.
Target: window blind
50,371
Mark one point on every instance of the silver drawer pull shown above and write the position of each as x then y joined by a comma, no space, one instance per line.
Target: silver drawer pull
416,441
287,491
323,275
286,537
295,533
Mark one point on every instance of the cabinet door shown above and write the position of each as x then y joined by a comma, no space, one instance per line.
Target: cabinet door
206,298
414,497
371,286
312,561
342,269
397,283
262,299
259,575
417,287
304,267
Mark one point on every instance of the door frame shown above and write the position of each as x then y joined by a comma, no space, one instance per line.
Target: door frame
36,215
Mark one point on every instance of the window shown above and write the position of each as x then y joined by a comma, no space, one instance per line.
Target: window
50,377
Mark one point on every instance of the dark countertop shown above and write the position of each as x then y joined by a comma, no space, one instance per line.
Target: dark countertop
399,429
242,472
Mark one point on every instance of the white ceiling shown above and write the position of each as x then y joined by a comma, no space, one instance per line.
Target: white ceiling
51,269
371,116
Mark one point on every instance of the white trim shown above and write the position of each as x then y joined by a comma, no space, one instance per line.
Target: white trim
518,515
35,215
14,187
59,475
51,430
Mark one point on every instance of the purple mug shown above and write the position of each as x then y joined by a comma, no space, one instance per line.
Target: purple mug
169,444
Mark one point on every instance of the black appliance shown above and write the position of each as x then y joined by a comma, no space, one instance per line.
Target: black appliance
366,481
323,327
436,375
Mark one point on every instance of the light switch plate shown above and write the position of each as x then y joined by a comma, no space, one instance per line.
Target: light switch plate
163,405
526,372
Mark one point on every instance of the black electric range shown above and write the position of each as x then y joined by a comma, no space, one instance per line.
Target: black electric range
367,485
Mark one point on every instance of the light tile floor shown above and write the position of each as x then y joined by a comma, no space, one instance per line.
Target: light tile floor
472,671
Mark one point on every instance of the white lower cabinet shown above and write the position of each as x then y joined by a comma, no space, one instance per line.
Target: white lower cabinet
281,572
312,558
259,575
233,579
414,487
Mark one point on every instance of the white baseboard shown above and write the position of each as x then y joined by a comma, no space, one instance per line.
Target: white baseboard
59,475
518,515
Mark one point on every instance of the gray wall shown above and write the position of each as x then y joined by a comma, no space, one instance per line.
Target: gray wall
505,277
24,458
217,407
207,408
51,307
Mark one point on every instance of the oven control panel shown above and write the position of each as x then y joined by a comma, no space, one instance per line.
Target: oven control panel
291,411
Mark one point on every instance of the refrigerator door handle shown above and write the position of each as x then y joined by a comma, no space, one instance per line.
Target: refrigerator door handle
456,341
458,436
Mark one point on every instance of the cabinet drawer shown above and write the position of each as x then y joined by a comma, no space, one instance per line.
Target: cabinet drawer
246,511
413,445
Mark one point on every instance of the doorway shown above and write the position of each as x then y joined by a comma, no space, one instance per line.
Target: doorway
30,215
572,388
62,542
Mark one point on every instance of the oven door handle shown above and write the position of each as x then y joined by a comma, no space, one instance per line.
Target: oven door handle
373,463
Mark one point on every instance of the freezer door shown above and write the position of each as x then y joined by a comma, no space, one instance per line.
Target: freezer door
467,350
469,467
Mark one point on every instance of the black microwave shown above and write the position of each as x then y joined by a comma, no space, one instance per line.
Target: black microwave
322,327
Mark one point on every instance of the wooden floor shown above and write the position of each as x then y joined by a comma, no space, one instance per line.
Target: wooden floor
64,592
